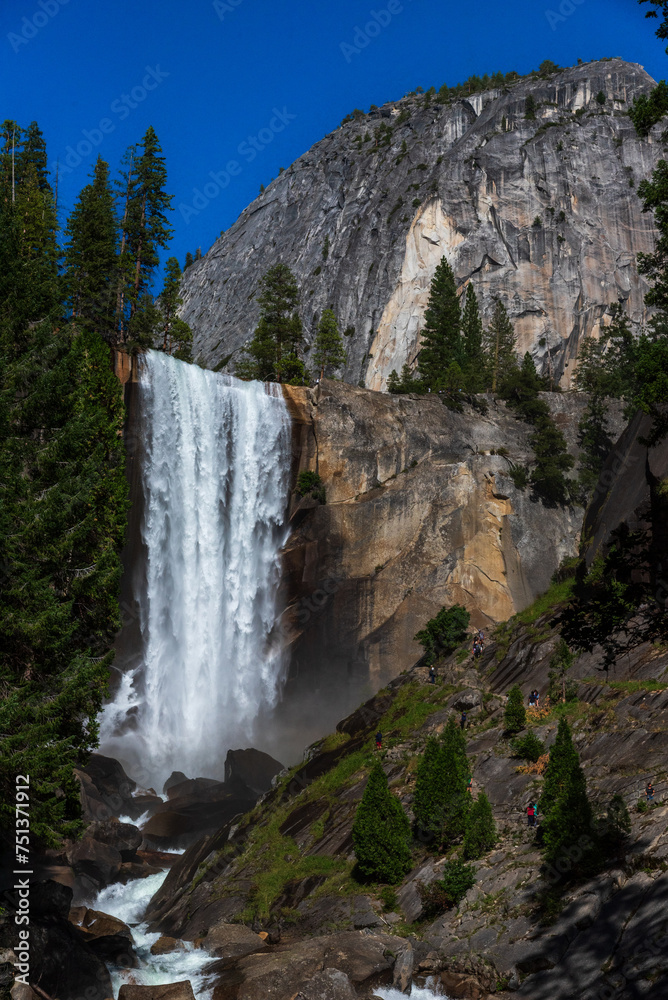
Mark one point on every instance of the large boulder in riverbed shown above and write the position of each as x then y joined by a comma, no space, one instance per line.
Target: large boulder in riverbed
230,941
123,837
253,767
94,861
171,991
195,807
107,936
330,984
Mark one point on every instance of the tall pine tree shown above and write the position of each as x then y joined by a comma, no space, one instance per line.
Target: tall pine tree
500,347
91,254
381,832
328,350
271,356
472,334
441,335
176,334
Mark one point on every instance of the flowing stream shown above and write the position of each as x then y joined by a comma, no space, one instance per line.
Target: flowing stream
215,461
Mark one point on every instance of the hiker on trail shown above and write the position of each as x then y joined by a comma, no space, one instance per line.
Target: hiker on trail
379,740
469,786
462,721
532,699
531,814
481,635
537,698
432,674
649,792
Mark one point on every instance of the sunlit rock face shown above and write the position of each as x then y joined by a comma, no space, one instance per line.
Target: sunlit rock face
544,215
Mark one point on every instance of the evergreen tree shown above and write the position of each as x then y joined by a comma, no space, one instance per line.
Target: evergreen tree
570,821
500,347
91,254
530,108
430,781
515,715
480,836
407,382
456,798
176,334
32,158
394,383
594,441
443,633
328,350
198,253
441,336
472,334
272,354
189,261
561,689
146,227
381,832
563,758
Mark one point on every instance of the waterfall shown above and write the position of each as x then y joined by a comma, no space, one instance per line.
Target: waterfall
215,460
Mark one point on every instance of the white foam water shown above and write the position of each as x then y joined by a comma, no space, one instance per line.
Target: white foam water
215,477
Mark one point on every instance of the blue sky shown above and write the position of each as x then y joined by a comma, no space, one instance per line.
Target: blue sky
255,83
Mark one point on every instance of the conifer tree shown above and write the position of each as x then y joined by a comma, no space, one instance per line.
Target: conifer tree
569,821
198,253
146,227
91,254
328,350
428,802
563,758
515,715
441,336
500,347
272,354
33,154
480,836
472,334
381,832
456,798
189,261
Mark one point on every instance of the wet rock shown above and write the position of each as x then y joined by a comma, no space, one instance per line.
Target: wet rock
94,861
123,837
230,941
107,936
175,778
403,970
110,785
466,701
173,991
253,767
165,945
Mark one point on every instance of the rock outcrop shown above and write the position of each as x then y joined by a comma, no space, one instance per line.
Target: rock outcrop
421,511
544,214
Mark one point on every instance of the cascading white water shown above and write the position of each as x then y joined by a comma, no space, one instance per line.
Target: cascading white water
215,468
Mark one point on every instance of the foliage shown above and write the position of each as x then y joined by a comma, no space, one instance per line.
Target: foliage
448,891
569,821
473,360
514,716
563,758
271,355
480,836
500,347
310,484
176,334
648,109
561,689
441,332
529,747
456,797
381,832
428,805
530,108
328,350
443,633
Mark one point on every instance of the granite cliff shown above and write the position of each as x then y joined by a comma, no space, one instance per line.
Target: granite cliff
544,214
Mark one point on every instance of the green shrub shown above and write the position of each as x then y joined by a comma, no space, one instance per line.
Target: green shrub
310,484
381,832
480,836
528,747
388,898
515,715
601,98
648,109
442,634
642,806
446,892
519,476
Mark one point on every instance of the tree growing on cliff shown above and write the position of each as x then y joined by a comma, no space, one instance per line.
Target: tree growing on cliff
272,354
515,715
176,334
428,803
563,758
456,797
328,350
91,254
568,825
500,347
441,336
406,383
443,633
472,336
480,836
381,832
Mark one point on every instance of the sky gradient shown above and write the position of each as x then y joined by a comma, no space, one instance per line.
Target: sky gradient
257,82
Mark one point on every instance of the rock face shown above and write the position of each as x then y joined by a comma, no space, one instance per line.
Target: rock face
420,512
544,215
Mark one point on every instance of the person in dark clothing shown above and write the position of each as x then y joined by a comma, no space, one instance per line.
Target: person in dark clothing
532,699
432,674
379,740
649,792
462,721
531,814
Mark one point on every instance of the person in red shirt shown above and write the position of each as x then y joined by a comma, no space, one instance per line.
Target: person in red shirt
531,814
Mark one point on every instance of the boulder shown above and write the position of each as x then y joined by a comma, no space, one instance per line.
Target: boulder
131,870
330,984
195,807
95,861
107,936
164,945
172,991
403,970
466,701
123,837
112,786
230,941
175,778
253,767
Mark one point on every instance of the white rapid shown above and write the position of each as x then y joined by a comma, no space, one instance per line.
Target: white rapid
215,456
